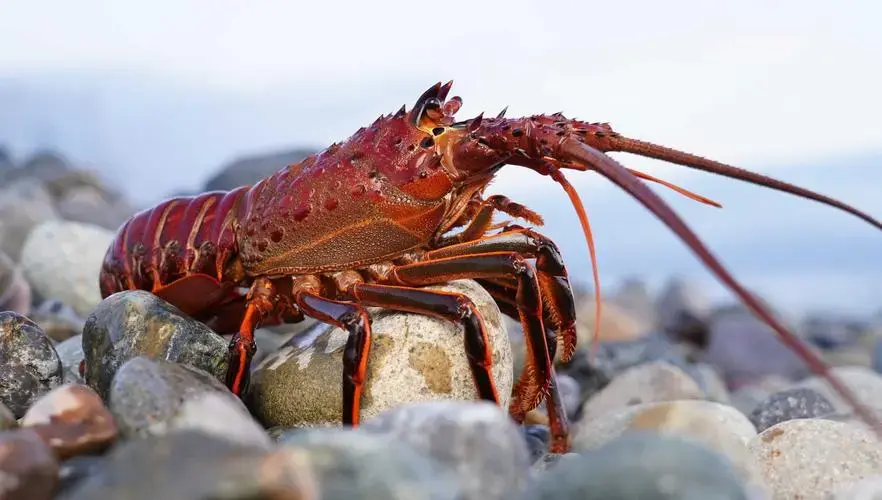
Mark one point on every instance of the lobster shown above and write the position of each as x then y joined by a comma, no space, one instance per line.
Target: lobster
397,206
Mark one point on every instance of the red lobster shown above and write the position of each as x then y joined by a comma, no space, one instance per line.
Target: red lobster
369,221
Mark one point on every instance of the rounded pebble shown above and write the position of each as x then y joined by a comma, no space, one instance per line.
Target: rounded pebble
29,365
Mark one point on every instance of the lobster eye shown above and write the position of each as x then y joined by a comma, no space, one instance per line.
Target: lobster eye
437,131
428,142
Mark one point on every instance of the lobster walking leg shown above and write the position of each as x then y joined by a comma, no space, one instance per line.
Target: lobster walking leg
353,318
529,300
449,306
259,304
557,297
505,297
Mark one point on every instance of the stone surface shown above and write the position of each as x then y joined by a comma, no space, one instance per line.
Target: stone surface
155,397
412,358
62,260
354,464
863,382
70,352
790,404
250,169
812,458
642,384
640,466
28,470
15,291
191,465
72,420
24,204
29,366
136,323
476,440
719,427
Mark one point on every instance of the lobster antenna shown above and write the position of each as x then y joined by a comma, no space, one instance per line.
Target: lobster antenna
684,192
558,176
620,176
642,148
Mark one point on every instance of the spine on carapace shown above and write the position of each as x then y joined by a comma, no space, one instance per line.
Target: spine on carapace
176,238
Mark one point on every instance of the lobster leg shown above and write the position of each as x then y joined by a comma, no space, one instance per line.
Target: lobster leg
483,218
259,304
353,318
557,416
444,305
529,304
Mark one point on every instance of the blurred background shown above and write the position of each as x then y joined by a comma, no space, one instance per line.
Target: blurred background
167,97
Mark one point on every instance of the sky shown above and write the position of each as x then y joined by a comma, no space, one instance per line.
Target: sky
160,95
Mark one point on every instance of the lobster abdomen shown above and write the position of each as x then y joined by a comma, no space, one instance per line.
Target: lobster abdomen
178,238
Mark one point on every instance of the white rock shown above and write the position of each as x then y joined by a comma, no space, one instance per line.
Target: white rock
62,260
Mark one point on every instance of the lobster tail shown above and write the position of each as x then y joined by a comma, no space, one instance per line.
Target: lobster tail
615,142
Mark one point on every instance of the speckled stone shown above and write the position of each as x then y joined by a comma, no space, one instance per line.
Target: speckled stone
812,458
29,365
412,358
787,405
137,323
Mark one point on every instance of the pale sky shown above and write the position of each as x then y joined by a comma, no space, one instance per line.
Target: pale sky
764,85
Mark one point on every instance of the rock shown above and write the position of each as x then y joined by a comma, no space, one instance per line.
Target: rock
616,357
537,438
868,488
812,458
7,419
44,165
75,470
633,297
190,464
155,397
863,382
250,169
681,296
29,366
88,204
711,382
788,405
642,384
58,320
15,292
719,427
355,464
747,397
616,324
570,394
70,352
62,260
744,349
137,323
477,441
639,466
412,358
24,204
72,420
27,467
